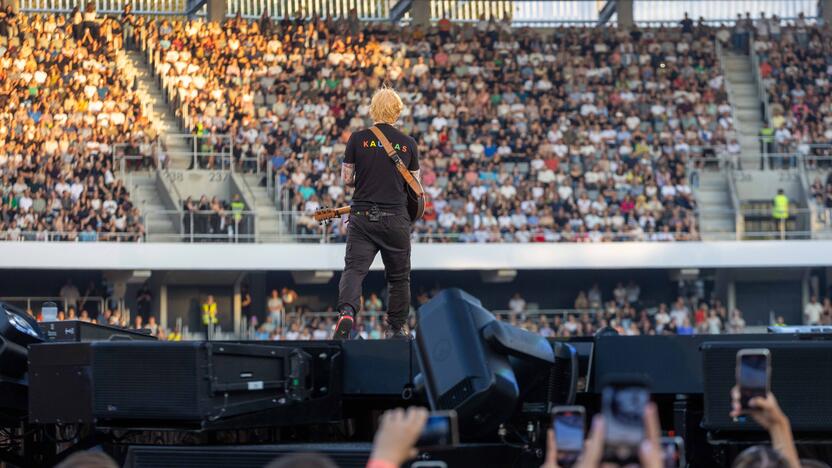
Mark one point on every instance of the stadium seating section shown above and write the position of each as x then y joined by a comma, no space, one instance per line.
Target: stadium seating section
575,134
64,103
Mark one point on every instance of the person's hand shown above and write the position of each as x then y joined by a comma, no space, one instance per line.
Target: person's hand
397,434
594,446
650,452
551,459
765,411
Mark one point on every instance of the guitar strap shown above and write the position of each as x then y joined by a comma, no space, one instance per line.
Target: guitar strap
391,152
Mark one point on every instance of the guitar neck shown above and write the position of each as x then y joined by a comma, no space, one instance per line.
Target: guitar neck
344,210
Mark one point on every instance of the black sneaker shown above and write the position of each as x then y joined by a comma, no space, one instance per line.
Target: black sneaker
399,333
343,327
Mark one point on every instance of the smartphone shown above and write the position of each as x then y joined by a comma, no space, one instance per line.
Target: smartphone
622,404
440,431
753,374
673,449
568,424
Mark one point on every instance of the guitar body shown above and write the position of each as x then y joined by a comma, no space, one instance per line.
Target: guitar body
415,204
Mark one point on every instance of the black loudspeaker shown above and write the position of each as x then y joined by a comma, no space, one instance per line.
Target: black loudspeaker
801,380
486,370
192,385
460,372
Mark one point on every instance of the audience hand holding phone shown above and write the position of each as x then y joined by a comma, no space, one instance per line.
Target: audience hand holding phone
650,451
767,413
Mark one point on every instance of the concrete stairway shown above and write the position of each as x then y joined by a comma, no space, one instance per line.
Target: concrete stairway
716,216
160,227
267,225
746,102
179,149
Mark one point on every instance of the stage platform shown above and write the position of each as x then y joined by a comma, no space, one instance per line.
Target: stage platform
95,383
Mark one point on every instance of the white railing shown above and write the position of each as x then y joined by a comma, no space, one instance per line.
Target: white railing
26,303
152,7
762,89
367,10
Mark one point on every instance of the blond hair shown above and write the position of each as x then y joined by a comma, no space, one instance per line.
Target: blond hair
386,106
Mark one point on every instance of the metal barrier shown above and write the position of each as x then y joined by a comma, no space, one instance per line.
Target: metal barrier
203,226
70,236
149,7
25,303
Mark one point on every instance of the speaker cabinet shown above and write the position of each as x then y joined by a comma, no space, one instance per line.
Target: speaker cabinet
801,380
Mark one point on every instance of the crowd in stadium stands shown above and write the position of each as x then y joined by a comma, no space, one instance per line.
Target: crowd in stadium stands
576,135
795,67
65,101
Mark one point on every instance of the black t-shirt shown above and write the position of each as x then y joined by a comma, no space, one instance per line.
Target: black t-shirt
376,179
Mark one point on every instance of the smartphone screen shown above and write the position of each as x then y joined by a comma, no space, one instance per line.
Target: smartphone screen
440,431
752,376
568,425
623,408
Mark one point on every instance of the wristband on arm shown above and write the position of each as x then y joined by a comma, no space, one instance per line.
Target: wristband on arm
377,463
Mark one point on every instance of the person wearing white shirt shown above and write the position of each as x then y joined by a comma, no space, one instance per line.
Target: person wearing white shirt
812,311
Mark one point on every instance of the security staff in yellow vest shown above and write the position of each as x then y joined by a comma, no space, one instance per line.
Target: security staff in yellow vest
780,211
237,207
209,311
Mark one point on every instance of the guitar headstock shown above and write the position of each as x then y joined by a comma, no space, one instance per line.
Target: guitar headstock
325,214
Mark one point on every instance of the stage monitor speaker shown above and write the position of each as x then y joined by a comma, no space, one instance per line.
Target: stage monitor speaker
801,379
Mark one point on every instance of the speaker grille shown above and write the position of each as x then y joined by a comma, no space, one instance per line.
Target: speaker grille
163,384
801,376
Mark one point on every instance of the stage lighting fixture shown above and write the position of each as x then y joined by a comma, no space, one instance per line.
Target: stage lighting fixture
18,327
484,369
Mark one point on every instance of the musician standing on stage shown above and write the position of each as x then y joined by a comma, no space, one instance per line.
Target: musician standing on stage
379,219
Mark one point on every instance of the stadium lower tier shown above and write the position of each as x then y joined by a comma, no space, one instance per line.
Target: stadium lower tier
242,404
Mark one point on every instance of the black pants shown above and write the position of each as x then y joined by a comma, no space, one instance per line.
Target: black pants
391,235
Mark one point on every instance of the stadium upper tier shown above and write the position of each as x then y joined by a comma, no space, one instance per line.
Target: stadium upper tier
570,135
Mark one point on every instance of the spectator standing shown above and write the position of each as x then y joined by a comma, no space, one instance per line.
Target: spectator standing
144,300
581,302
736,324
826,316
517,304
780,212
373,303
209,315
812,311
276,308
633,293
714,323
245,303
594,296
662,318
289,297
679,313
70,294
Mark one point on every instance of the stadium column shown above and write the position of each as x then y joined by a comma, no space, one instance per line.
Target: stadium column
237,302
624,8
216,10
420,12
